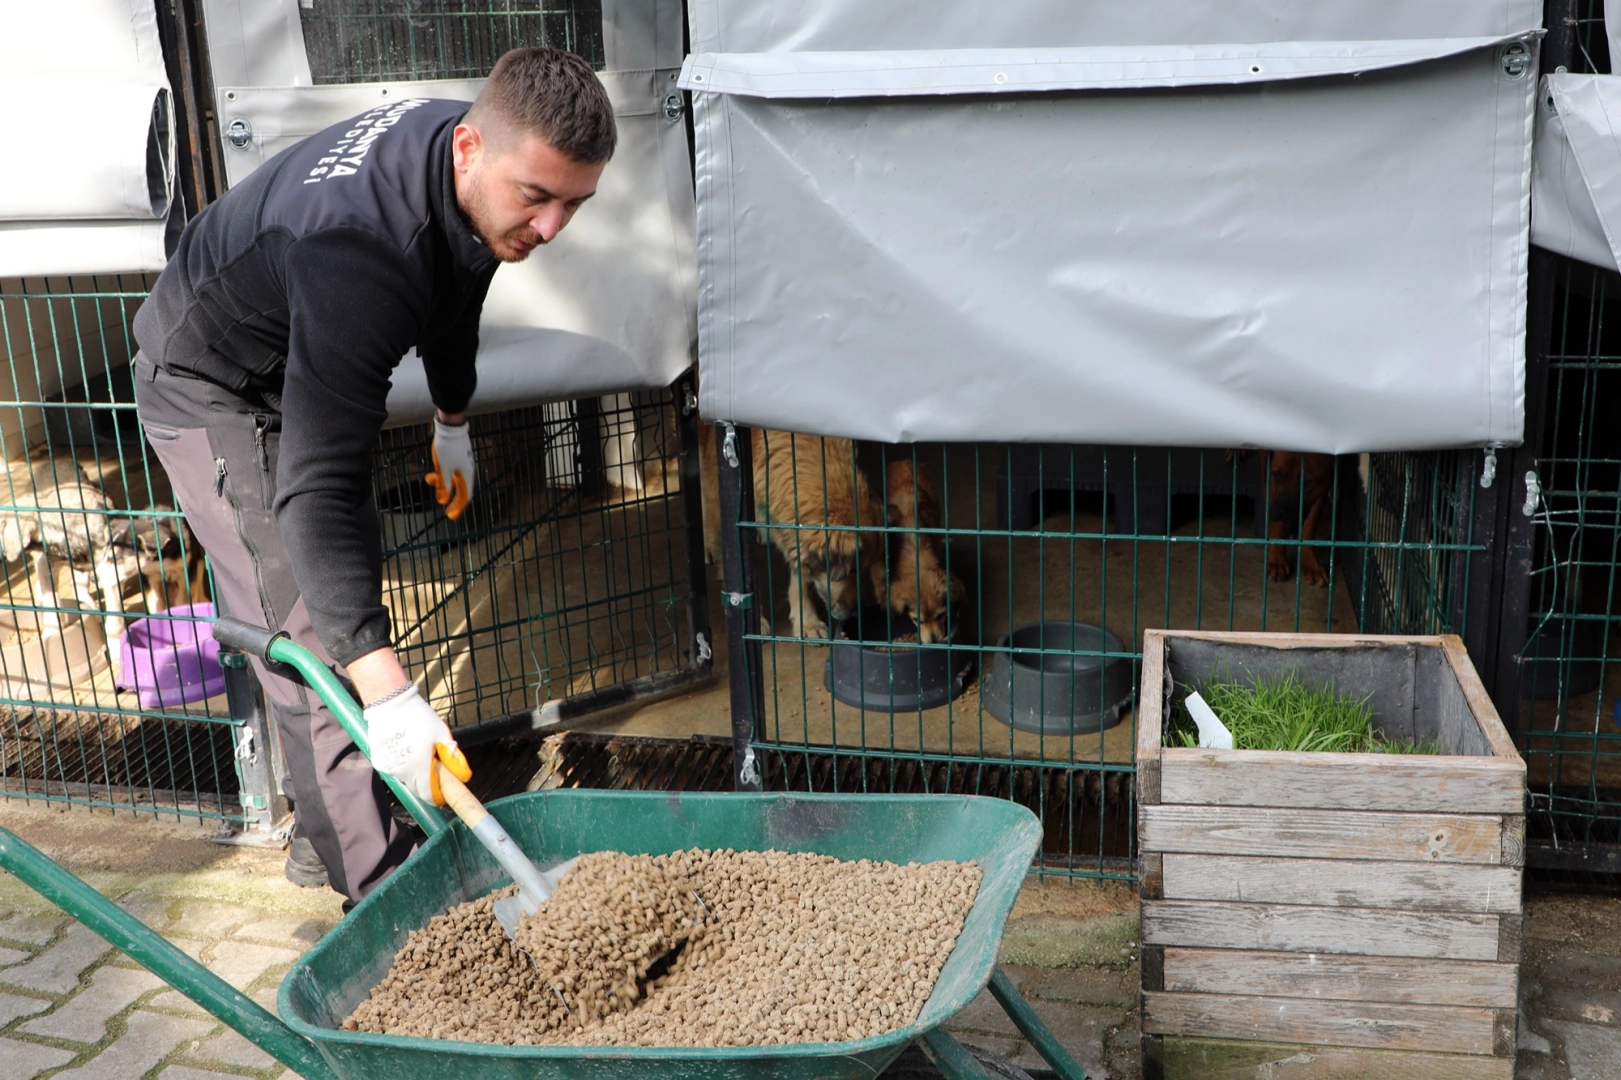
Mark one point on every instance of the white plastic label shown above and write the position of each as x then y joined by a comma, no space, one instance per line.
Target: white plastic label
1213,734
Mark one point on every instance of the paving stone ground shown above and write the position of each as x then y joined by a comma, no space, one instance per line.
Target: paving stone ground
72,1009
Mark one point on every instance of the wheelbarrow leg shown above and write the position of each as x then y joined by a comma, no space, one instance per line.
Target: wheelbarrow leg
147,948
950,1058
1026,1020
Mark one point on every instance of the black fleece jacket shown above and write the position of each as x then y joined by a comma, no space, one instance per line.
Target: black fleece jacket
301,289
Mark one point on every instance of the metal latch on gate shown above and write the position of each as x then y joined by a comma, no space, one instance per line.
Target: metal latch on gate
1488,468
749,774
728,446
673,107
239,133
704,651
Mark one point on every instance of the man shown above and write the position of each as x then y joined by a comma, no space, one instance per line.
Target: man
265,354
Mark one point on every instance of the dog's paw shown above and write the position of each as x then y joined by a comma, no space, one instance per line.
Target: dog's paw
1277,569
1312,572
808,627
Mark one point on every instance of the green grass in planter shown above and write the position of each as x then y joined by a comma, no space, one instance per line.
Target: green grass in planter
1284,714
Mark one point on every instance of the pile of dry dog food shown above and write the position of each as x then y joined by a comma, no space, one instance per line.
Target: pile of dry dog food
774,948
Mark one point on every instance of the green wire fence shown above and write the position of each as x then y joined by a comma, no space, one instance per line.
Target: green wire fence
92,543
1570,677
567,579
1121,538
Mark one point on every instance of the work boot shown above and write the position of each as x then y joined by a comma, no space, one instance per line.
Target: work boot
303,866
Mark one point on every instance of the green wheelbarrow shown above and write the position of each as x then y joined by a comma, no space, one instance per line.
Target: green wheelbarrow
326,984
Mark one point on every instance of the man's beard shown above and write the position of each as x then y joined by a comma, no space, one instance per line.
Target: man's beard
502,247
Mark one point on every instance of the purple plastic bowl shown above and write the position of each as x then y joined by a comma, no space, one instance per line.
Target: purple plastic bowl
173,659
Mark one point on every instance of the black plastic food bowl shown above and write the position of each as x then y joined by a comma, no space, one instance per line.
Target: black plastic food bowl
1052,692
864,670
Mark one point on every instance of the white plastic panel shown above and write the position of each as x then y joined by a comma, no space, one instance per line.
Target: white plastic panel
54,248
1332,262
256,43
98,201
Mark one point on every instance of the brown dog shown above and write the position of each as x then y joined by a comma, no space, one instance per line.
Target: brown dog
808,480
164,554
709,484
915,581
1301,490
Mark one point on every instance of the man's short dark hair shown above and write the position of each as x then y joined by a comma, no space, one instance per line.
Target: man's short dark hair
551,93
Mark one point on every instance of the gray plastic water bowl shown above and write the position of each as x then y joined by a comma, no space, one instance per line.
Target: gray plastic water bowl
863,669
1052,691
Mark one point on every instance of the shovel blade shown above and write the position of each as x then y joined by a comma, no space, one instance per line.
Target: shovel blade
510,910
509,913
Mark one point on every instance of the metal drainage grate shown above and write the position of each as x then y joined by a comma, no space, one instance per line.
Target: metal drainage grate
1085,815
149,762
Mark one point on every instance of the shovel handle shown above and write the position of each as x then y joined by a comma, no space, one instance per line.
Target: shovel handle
532,887
458,798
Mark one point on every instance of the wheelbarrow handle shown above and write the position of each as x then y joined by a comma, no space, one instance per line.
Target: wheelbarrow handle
245,637
145,946
276,647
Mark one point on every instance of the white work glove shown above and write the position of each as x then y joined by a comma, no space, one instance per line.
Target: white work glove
453,466
405,735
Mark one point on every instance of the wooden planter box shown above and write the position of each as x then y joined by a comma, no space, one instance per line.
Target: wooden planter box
1363,909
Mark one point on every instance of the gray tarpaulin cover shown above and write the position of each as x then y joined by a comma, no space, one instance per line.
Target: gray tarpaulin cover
1576,176
86,114
609,305
1260,223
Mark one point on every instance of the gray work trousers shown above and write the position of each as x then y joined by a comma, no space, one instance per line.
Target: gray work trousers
219,451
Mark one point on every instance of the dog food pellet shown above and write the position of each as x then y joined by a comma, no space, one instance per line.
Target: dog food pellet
773,948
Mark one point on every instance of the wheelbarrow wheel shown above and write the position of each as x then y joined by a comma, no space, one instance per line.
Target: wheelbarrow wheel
914,1064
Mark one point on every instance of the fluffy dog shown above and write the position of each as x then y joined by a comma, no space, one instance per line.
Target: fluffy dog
72,523
808,480
163,555
915,582
1301,490
66,522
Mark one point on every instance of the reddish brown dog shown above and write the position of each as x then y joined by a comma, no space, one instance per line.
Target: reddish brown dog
1301,490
